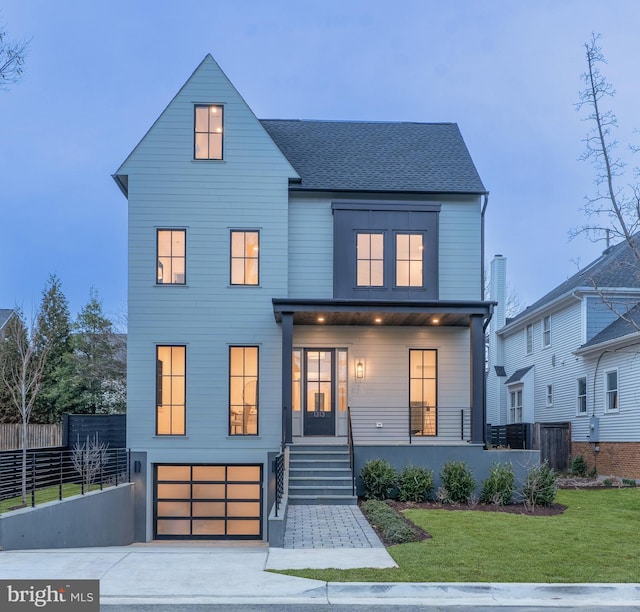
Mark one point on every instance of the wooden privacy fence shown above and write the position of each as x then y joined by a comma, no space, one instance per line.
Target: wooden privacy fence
38,436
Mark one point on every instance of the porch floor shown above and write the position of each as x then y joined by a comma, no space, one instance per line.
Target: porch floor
309,440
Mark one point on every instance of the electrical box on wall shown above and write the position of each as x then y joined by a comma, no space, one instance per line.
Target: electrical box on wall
594,429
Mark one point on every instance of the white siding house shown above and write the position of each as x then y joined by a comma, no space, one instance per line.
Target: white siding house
553,359
294,282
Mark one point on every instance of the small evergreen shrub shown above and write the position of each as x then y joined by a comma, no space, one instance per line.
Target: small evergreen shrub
394,529
539,486
629,482
499,486
379,479
415,484
458,480
579,466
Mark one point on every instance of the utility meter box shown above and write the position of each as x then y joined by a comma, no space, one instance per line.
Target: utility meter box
594,429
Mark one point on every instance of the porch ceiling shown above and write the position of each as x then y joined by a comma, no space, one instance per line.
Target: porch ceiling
385,313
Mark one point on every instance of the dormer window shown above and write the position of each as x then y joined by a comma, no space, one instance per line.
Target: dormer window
208,131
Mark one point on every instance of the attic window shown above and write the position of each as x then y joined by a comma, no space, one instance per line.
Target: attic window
208,131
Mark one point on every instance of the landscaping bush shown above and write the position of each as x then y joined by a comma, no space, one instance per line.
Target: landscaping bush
539,486
458,480
499,486
394,529
379,479
415,484
579,466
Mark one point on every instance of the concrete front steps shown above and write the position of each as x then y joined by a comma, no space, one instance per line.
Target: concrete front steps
320,474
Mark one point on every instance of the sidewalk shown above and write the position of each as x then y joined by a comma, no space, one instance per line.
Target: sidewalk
224,574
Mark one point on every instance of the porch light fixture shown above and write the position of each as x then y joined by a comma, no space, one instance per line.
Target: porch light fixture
359,369
320,319
378,320
435,320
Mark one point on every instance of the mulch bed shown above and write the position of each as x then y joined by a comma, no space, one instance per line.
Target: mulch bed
551,510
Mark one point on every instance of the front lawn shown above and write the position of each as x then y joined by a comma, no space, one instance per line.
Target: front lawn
47,494
597,539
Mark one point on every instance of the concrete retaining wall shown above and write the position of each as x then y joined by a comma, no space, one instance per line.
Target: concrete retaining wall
99,518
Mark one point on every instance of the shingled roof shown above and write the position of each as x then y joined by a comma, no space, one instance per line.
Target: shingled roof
617,267
376,156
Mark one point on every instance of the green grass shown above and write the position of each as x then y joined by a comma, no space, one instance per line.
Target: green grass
596,540
45,495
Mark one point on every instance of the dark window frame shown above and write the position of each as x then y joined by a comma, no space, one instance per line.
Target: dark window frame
435,408
409,233
244,258
158,376
170,256
208,132
244,376
370,233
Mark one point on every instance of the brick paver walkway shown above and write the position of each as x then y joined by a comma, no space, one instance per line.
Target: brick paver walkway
328,527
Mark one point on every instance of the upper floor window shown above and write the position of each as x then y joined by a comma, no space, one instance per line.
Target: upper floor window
409,249
611,390
370,260
245,257
546,331
170,390
581,407
243,390
171,249
529,338
549,396
207,143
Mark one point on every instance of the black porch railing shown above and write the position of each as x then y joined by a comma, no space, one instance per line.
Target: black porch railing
425,421
350,441
278,468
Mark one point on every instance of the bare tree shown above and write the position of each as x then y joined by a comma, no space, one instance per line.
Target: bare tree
613,211
12,55
23,356
89,458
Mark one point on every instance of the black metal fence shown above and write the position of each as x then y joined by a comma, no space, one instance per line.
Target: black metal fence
55,474
278,468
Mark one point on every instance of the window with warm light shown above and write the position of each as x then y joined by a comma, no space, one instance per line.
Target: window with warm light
208,131
409,251
170,390
370,260
171,257
423,392
245,257
243,390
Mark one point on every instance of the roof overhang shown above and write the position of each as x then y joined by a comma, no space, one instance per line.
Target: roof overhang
381,312
609,345
122,180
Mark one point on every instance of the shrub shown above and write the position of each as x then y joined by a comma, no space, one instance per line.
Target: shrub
394,529
415,484
539,486
629,482
579,466
379,479
458,480
498,487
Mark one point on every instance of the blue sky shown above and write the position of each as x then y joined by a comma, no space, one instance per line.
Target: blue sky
99,73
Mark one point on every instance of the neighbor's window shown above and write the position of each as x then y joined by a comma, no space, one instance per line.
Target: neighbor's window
549,396
582,396
370,260
245,257
171,258
546,331
529,338
515,410
208,131
611,382
170,390
243,390
423,373
409,250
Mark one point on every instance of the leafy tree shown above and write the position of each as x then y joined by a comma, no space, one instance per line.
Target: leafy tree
95,370
23,357
12,55
54,326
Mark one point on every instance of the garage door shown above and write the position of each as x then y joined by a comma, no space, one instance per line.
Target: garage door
208,502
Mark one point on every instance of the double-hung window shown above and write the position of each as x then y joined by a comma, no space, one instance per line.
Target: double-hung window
370,260
170,390
409,256
529,338
515,408
611,390
208,126
581,407
171,257
549,399
243,390
245,257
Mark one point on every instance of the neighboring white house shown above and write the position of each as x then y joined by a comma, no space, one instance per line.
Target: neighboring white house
570,357
288,280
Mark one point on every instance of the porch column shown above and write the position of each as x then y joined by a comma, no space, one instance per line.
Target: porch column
476,333
287,350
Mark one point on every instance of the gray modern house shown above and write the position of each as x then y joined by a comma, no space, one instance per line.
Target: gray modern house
314,286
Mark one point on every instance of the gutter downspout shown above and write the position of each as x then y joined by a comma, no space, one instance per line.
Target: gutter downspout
484,208
484,329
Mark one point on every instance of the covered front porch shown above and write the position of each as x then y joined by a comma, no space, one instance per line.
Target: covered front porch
383,372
